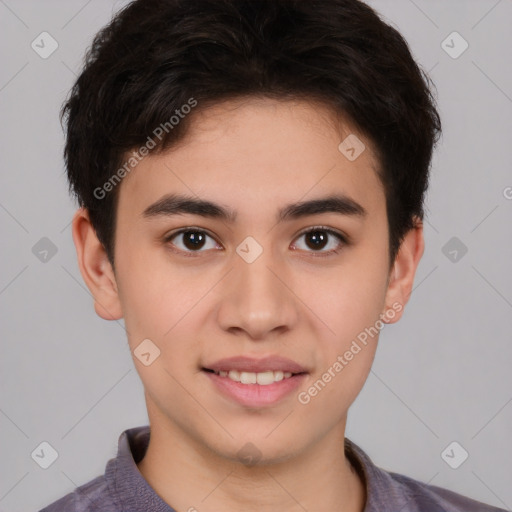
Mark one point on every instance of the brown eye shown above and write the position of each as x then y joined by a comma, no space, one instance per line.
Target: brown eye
192,240
318,238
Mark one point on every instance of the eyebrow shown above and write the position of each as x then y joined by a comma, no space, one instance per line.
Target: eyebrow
176,204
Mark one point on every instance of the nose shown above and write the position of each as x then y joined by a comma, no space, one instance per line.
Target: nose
257,298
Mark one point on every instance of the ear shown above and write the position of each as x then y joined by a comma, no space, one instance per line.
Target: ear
95,267
401,277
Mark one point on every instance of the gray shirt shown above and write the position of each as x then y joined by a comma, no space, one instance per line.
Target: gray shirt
123,488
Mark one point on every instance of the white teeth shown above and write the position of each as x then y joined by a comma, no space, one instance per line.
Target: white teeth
234,375
265,378
248,378
279,375
262,378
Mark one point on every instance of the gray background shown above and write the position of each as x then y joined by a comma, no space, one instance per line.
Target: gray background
442,374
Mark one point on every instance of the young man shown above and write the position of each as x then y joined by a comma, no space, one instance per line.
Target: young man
251,176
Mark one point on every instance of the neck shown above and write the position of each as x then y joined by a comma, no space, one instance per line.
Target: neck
188,476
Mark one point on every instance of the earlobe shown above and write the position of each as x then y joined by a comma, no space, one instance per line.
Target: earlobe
402,274
95,267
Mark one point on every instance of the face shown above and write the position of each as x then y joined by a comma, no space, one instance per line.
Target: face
270,271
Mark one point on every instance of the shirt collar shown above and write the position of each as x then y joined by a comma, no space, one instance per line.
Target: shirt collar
383,493
124,479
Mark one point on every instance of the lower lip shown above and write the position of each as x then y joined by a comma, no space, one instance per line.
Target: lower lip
256,395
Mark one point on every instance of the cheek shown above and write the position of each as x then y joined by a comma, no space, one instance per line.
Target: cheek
162,302
350,303
351,299
347,348
148,294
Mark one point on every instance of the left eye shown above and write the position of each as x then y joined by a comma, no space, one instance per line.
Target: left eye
317,239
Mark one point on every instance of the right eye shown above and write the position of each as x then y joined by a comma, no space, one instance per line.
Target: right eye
191,240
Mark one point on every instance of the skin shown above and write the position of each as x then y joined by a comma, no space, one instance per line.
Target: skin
255,156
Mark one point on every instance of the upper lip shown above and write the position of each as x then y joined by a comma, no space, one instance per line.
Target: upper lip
249,364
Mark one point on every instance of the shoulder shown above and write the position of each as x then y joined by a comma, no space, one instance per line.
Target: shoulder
423,497
93,496
388,491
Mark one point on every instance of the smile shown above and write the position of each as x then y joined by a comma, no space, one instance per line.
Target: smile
255,389
263,378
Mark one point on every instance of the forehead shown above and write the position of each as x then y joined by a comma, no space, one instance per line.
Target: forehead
254,152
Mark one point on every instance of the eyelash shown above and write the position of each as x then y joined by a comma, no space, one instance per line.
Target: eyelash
344,241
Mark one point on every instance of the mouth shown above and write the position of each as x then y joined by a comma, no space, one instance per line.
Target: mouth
264,378
256,383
